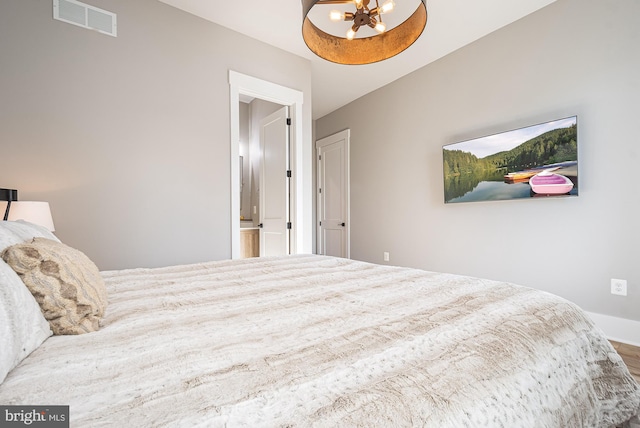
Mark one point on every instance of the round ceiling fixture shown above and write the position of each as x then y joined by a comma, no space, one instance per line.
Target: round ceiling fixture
351,49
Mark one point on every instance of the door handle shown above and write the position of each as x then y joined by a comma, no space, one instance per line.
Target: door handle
260,225
342,224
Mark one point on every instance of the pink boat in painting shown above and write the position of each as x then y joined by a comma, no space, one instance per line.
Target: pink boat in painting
548,183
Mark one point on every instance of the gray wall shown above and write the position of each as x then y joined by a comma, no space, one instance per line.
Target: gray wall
572,57
245,153
128,138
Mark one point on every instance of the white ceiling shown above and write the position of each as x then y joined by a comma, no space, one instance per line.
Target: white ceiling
451,24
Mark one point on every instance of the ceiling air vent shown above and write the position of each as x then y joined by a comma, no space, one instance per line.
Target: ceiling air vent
85,16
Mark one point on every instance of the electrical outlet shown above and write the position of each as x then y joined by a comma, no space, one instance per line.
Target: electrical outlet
619,286
385,256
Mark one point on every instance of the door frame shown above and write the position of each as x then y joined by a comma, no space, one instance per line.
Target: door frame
248,85
332,139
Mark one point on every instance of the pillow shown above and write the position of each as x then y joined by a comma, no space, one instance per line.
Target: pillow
22,326
15,232
66,284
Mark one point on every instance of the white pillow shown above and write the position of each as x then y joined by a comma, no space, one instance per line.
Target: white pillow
17,232
22,326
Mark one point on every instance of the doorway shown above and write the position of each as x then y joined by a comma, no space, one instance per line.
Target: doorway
274,184
264,186
332,155
300,212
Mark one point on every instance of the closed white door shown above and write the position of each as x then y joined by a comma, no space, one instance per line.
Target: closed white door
333,195
274,184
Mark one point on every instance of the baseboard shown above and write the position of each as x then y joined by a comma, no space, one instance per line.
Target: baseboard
618,329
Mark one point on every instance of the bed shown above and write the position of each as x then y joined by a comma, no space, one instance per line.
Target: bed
309,340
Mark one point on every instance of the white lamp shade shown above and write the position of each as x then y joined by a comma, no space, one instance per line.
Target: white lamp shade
32,211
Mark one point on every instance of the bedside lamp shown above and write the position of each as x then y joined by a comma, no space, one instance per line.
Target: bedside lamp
8,195
32,211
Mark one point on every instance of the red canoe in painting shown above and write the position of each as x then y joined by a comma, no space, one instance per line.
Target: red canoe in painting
548,183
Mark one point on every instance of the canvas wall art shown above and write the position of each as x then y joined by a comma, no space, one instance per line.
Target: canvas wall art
538,161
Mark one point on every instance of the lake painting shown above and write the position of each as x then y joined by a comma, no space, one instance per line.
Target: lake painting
538,161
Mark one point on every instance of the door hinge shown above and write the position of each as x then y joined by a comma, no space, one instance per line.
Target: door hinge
319,157
320,190
289,173
288,225
288,121
320,223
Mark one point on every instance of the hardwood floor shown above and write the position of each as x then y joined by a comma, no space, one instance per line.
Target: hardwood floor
631,357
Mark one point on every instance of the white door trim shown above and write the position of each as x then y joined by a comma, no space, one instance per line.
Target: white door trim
248,85
332,139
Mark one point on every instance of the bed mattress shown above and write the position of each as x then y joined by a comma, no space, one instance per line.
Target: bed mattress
320,341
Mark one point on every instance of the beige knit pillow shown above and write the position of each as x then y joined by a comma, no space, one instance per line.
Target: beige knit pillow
66,284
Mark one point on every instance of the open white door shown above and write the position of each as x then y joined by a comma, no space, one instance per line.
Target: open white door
333,195
274,184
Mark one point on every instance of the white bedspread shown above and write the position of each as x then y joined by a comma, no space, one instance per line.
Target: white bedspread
317,341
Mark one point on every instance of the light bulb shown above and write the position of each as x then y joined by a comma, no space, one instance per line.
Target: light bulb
336,15
358,4
351,34
380,27
387,6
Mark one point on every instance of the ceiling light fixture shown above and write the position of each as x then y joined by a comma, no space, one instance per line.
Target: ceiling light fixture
352,50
